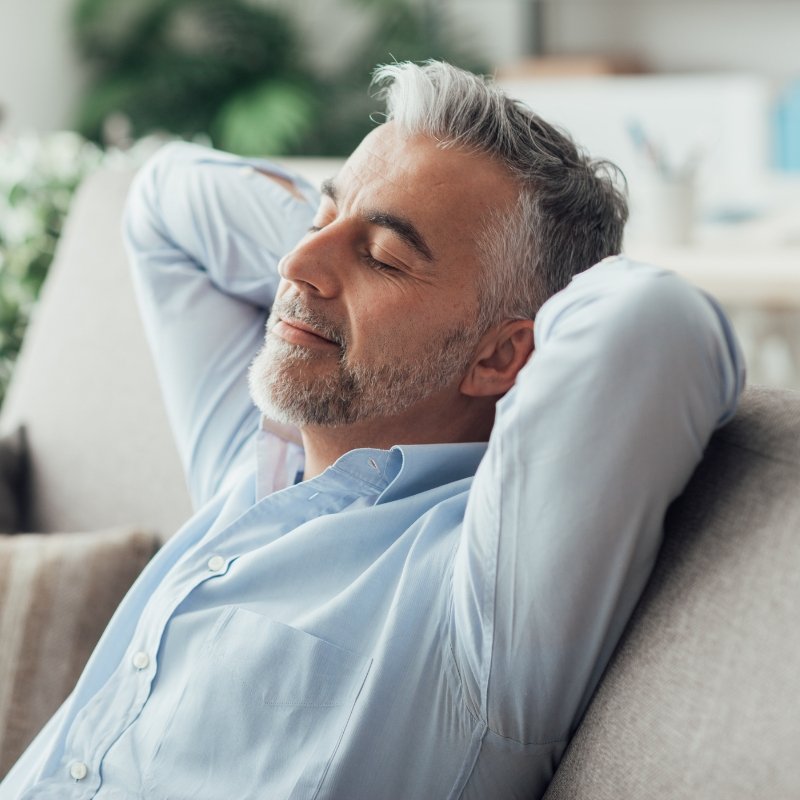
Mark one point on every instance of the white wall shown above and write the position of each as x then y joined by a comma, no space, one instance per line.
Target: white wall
40,77
498,28
676,35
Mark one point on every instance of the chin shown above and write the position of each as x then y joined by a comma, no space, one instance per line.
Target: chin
269,371
286,387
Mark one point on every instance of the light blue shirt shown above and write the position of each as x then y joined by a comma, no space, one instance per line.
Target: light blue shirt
422,622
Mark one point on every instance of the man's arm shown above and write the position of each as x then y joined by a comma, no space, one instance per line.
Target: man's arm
633,370
205,231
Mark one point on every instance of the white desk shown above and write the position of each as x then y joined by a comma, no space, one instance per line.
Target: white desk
743,275
759,284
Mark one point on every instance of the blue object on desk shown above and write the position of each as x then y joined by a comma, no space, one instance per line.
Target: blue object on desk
787,129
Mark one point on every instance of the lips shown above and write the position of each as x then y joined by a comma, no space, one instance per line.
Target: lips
297,332
296,323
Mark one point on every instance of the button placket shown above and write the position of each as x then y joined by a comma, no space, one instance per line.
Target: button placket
140,660
215,563
78,770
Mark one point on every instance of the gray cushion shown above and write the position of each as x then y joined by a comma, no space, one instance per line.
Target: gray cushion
700,699
57,593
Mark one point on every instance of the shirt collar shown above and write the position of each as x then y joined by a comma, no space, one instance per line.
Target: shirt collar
402,471
425,466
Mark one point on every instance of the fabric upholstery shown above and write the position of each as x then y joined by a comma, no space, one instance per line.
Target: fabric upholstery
700,698
57,593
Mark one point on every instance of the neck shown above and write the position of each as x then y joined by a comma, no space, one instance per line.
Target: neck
324,445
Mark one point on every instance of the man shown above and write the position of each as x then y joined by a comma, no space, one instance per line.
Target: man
386,607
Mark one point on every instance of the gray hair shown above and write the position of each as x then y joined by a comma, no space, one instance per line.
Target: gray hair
570,213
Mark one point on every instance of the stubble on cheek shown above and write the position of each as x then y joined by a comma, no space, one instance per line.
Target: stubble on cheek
295,385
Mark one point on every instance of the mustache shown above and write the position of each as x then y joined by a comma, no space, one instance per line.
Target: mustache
293,308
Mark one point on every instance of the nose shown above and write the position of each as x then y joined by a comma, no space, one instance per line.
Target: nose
311,265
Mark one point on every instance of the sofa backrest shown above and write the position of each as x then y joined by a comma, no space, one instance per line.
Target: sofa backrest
700,699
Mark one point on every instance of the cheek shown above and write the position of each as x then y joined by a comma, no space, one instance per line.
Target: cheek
398,318
386,332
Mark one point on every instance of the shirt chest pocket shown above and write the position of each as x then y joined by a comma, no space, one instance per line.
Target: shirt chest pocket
261,715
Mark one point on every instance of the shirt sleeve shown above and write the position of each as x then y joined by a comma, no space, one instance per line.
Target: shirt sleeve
205,231
632,372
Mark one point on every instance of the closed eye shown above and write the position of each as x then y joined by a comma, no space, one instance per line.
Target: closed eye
368,258
379,265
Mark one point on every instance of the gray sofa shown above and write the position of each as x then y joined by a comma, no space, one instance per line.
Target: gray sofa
701,698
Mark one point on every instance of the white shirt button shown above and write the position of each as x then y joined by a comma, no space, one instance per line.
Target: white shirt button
247,171
216,563
78,770
141,660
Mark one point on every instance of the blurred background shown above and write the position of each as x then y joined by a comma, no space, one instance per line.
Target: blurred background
698,101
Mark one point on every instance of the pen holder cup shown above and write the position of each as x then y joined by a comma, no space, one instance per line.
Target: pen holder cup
668,205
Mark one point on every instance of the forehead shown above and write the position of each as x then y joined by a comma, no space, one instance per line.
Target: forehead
447,193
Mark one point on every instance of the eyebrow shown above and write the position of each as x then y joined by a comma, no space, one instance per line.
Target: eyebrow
328,188
401,226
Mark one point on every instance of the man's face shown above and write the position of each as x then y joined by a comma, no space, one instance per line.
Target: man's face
375,315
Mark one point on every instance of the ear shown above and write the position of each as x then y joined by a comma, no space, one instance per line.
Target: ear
501,354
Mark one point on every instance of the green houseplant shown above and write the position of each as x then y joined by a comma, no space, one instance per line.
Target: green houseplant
225,68
239,72
38,176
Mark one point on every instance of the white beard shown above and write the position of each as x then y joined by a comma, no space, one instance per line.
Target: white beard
287,385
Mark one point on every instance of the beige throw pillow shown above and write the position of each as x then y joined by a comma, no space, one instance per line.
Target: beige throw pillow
57,593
